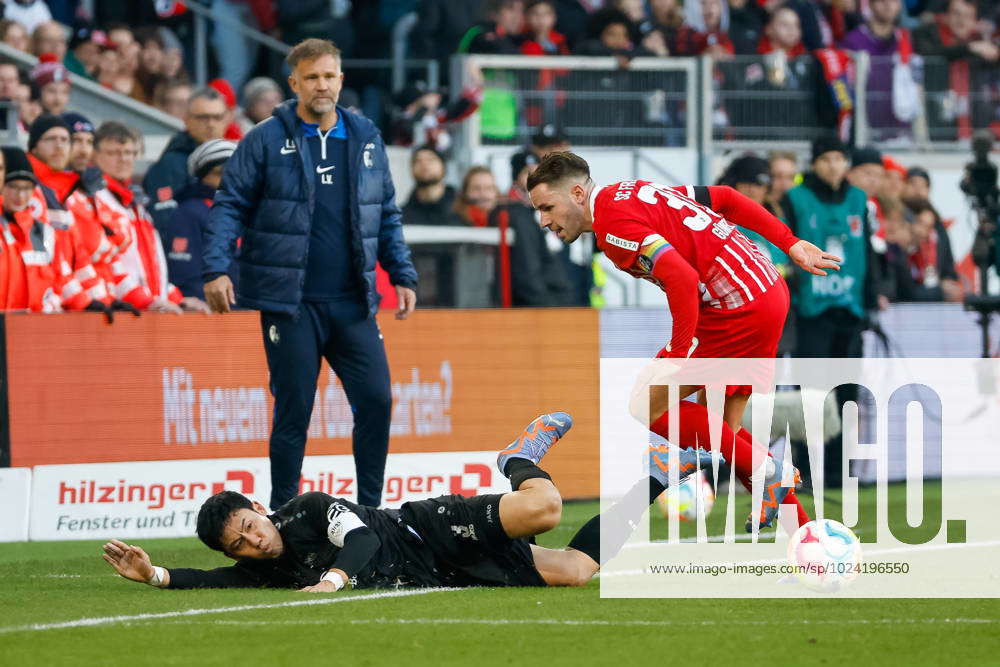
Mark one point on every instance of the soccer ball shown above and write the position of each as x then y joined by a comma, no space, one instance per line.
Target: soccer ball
826,555
689,499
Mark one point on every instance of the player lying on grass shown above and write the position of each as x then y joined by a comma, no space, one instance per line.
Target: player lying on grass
318,543
726,298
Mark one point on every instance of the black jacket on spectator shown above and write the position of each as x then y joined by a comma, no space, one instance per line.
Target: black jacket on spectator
170,171
571,21
300,19
745,27
538,277
439,29
905,286
416,212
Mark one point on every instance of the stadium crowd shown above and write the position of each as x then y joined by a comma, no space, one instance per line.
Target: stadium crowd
92,237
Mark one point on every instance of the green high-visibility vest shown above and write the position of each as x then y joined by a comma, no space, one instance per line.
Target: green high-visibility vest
838,228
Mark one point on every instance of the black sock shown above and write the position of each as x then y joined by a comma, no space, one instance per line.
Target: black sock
588,539
621,519
521,470
655,489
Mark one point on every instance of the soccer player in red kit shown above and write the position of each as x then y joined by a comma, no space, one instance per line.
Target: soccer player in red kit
726,299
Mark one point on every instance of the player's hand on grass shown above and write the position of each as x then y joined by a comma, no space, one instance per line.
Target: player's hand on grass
128,560
220,295
321,587
812,259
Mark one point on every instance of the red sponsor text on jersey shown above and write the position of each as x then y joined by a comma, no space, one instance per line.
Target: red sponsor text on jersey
731,270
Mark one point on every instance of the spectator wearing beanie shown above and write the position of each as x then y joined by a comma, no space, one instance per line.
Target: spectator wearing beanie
830,212
432,200
918,184
181,234
81,237
86,45
34,275
751,176
51,78
522,164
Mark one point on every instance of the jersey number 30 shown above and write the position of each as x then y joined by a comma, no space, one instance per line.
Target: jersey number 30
697,222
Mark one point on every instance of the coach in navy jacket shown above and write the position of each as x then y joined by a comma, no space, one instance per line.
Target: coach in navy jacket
310,193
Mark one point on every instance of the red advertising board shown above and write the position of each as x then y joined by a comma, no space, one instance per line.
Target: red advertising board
163,387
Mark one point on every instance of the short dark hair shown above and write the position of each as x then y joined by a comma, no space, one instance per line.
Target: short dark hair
311,48
556,167
531,4
214,514
427,147
114,130
205,93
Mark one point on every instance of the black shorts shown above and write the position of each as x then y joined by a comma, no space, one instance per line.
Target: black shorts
469,545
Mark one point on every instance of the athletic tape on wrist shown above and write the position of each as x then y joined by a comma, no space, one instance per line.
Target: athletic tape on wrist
335,578
158,576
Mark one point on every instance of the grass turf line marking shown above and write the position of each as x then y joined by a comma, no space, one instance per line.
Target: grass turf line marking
596,622
111,620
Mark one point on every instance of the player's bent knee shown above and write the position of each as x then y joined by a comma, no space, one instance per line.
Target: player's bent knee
549,512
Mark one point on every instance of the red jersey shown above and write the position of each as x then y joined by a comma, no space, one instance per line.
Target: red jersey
684,240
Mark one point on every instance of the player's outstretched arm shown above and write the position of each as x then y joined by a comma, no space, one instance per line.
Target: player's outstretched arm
132,563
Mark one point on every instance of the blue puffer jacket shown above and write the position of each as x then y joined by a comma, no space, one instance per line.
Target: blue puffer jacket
268,196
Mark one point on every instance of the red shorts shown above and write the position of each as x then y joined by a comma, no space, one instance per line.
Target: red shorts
750,332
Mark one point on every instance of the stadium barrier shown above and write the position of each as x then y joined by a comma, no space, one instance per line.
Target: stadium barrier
127,428
124,429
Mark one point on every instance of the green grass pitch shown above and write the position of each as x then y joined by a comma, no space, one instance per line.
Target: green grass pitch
46,584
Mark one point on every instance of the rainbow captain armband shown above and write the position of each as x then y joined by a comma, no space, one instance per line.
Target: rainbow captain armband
650,251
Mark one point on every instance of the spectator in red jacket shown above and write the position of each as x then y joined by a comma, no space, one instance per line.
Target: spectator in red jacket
141,269
711,19
783,33
78,236
541,38
30,273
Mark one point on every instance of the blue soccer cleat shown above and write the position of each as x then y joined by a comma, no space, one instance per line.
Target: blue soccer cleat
536,439
774,495
688,461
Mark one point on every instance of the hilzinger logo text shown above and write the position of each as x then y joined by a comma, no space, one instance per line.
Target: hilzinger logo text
155,494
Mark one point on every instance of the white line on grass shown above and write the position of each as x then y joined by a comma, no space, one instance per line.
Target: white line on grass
595,622
111,620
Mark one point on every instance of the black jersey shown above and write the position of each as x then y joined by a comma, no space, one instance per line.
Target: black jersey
447,541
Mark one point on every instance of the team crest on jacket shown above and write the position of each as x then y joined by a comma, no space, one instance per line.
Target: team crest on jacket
273,335
854,222
180,244
621,243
